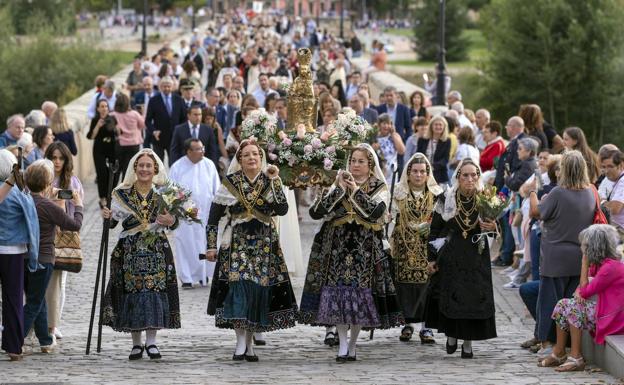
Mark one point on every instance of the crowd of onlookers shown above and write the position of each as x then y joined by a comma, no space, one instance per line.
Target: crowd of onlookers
556,183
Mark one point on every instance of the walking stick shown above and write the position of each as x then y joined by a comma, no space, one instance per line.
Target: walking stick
101,269
395,170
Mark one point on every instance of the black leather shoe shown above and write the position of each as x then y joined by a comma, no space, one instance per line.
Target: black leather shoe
352,358
450,349
153,356
187,286
342,359
258,342
238,357
465,354
136,356
249,358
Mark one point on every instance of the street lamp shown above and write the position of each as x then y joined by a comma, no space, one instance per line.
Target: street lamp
342,19
144,36
441,67
193,18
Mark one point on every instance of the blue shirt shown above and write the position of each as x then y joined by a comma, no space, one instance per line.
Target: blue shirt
19,224
7,140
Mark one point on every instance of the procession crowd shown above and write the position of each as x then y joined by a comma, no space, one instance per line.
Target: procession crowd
402,242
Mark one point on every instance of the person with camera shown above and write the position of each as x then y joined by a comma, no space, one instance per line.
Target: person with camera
102,131
67,183
19,249
349,283
39,177
251,289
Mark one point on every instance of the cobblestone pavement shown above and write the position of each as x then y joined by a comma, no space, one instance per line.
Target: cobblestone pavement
199,353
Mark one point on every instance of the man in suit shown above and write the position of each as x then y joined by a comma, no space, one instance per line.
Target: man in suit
353,84
141,98
195,57
233,104
281,107
193,128
508,163
212,99
186,91
164,112
398,112
368,114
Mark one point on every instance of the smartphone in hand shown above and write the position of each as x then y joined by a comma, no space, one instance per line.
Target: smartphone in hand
65,194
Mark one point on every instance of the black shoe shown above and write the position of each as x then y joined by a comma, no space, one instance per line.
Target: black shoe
187,286
238,357
330,339
249,358
351,358
136,356
153,356
258,342
450,349
500,263
342,359
465,354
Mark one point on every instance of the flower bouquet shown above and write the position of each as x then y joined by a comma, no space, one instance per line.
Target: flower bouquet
490,204
260,125
176,200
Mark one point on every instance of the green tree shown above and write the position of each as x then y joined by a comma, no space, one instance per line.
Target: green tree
29,16
564,56
426,30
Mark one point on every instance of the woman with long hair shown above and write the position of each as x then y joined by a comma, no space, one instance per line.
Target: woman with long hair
42,137
417,105
102,131
61,130
130,126
436,145
64,179
534,121
574,139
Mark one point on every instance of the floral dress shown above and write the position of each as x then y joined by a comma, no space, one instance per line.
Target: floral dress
251,288
349,278
142,292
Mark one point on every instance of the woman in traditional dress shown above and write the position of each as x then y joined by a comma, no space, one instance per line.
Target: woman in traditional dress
348,283
142,293
462,302
251,290
414,199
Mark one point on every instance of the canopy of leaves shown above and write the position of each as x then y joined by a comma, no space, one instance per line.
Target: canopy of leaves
564,55
427,30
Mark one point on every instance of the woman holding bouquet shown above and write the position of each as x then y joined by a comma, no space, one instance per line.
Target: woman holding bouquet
462,302
414,199
142,292
251,290
348,283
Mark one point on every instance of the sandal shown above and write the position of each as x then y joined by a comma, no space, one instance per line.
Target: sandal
16,356
331,339
572,365
406,333
552,360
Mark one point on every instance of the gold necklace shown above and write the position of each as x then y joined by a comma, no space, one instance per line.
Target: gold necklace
414,210
465,223
252,198
143,205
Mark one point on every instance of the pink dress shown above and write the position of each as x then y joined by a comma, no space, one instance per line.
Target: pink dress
608,285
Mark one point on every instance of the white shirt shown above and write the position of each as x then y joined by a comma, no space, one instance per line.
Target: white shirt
261,95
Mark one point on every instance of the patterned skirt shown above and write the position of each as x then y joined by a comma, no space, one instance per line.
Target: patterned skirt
142,292
349,280
251,289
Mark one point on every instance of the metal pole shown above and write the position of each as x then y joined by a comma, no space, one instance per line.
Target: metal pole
318,13
342,19
441,68
144,36
193,23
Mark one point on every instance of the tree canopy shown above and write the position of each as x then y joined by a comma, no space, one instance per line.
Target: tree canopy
426,30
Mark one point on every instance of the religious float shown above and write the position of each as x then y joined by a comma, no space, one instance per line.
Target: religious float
305,156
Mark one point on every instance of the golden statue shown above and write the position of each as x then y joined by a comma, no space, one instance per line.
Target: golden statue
302,105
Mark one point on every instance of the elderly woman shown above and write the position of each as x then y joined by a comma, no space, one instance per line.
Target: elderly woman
142,292
251,290
39,177
602,316
461,304
436,145
414,200
527,151
567,210
348,282
19,240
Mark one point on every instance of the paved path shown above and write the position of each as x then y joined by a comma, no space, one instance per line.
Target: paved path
199,353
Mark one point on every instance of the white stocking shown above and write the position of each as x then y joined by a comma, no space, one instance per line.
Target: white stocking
136,341
344,344
240,342
467,346
452,341
355,332
259,336
150,339
249,342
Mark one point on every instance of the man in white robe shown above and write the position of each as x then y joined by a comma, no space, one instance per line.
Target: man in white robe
200,176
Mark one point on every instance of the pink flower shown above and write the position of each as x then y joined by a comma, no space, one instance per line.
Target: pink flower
282,135
308,149
272,156
331,149
271,147
328,164
316,143
287,142
325,136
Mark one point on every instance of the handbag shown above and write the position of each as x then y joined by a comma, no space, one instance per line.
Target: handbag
67,251
599,216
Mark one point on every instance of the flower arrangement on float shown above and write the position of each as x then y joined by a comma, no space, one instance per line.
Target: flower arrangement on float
307,158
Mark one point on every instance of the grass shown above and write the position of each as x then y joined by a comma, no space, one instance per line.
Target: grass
406,32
